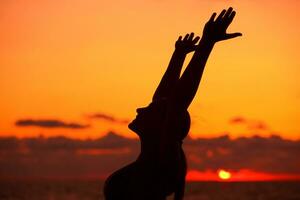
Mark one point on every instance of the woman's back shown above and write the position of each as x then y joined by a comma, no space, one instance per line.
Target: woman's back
146,179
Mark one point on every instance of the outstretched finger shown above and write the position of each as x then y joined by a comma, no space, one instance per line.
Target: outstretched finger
221,15
228,13
190,38
230,18
185,37
179,39
232,35
211,19
196,40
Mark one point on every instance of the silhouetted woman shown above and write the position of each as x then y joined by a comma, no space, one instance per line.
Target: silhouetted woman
160,168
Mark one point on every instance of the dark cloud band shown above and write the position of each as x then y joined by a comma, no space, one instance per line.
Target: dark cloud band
102,156
107,117
254,125
49,123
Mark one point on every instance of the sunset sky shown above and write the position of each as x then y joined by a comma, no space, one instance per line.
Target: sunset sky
92,63
79,69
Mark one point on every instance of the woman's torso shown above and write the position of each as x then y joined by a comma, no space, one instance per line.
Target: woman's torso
146,178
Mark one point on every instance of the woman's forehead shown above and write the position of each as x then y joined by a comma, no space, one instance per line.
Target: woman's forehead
157,104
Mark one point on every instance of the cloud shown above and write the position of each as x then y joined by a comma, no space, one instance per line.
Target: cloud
107,117
237,120
249,123
64,157
257,125
49,123
61,156
272,154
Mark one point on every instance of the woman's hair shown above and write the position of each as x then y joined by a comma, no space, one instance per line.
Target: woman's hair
183,126
180,124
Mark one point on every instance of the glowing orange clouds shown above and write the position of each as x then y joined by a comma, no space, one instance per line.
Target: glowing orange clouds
117,151
62,59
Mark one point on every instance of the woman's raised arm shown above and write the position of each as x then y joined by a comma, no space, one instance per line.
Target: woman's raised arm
214,31
172,74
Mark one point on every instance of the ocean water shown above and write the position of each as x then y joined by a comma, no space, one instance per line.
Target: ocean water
92,190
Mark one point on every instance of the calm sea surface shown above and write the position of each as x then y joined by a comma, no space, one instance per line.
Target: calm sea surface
92,190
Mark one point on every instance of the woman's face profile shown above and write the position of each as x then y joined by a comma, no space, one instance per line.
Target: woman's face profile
148,118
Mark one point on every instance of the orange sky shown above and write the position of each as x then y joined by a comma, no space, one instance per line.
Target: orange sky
65,59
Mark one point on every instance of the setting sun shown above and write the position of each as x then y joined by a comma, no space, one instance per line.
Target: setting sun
224,175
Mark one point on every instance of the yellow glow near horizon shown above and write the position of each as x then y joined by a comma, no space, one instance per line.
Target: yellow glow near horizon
224,175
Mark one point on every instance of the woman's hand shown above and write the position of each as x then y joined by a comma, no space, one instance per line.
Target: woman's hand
215,30
187,44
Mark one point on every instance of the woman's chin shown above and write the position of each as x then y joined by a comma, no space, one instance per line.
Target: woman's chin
134,126
131,125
